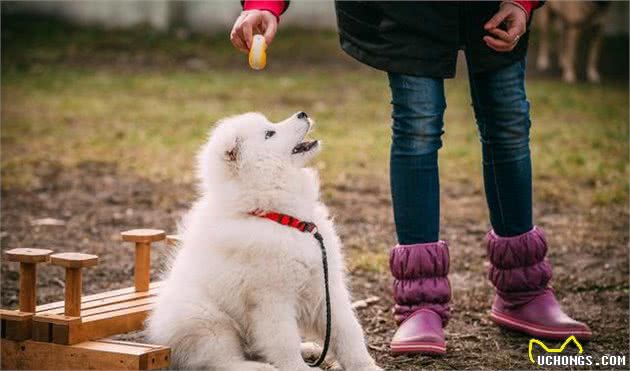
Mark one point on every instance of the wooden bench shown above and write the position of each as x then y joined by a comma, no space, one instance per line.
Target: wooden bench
64,331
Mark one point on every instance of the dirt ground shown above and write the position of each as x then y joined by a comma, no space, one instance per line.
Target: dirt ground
97,201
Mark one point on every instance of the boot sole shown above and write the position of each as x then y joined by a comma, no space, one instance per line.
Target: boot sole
545,332
418,348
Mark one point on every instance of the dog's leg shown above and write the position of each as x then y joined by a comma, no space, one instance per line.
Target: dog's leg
592,73
570,51
347,341
543,18
212,346
274,333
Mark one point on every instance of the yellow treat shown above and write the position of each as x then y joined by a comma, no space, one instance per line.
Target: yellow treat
258,53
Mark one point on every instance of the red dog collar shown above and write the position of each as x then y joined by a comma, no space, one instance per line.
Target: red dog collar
287,220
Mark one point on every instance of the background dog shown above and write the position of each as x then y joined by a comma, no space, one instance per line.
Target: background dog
242,290
575,17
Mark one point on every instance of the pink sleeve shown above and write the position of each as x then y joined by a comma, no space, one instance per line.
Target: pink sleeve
528,5
276,7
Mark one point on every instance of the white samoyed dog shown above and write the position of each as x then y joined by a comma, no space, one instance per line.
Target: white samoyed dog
243,291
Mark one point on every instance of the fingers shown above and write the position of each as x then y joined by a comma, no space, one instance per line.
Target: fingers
515,31
241,34
497,19
498,45
249,22
236,35
505,41
271,26
247,32
237,41
516,28
501,35
511,36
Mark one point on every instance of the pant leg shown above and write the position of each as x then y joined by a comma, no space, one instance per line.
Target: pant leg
502,113
418,106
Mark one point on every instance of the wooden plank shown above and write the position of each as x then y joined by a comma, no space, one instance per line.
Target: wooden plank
101,325
43,325
99,345
118,306
86,299
130,343
106,301
95,297
59,319
15,315
93,355
16,325
150,301
120,313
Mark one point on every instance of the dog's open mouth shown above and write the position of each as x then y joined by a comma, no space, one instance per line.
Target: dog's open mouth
304,147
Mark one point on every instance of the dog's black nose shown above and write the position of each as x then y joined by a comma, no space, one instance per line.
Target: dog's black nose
302,115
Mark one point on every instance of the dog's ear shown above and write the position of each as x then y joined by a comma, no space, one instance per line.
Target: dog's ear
232,154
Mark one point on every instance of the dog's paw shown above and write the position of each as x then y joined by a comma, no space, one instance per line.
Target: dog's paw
371,367
335,367
311,351
254,366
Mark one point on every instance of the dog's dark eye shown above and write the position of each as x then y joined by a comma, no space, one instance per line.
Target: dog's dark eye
269,134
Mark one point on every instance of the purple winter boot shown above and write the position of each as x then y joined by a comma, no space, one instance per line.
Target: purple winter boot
523,302
422,293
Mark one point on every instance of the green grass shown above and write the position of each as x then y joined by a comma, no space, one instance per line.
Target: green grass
67,97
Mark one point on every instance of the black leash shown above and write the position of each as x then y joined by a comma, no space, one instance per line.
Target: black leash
322,356
311,228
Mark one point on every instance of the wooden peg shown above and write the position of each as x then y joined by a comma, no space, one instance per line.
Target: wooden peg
173,239
143,239
28,259
73,262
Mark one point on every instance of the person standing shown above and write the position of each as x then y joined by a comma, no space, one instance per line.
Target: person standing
417,44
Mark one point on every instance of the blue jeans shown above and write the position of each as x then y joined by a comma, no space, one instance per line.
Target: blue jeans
502,115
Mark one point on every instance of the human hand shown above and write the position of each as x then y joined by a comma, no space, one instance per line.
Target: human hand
250,21
505,40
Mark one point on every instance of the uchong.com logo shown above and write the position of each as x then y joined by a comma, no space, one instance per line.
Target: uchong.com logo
555,356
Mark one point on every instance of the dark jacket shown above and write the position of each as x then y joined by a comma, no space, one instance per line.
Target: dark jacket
416,38
421,38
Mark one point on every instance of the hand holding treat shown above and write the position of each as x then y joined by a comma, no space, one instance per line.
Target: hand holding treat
258,53
251,22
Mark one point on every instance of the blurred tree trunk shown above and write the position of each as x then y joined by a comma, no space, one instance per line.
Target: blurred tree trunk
177,15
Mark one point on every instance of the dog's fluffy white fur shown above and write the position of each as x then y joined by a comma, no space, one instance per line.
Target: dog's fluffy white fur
242,291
